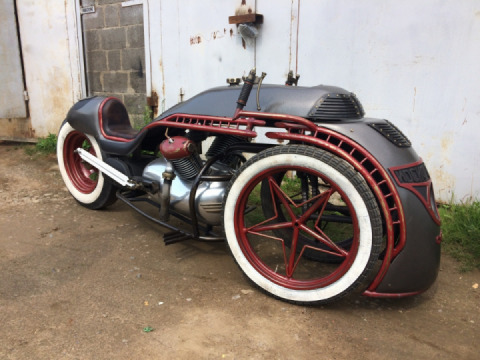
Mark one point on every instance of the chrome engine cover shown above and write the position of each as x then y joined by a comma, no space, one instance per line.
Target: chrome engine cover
209,196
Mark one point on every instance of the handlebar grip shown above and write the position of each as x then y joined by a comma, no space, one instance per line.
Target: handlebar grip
246,89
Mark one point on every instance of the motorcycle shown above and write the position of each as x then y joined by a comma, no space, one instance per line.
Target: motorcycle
333,203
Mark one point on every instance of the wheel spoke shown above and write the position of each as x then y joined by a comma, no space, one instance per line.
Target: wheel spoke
284,198
318,204
321,201
290,267
324,239
275,226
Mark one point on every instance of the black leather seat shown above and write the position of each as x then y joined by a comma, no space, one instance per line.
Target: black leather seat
115,120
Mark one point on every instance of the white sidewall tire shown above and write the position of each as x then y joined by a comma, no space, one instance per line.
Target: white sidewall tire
363,255
81,197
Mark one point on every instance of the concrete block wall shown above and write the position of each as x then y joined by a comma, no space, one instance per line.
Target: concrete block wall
115,53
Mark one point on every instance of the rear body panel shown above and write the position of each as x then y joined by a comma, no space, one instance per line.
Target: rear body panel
415,268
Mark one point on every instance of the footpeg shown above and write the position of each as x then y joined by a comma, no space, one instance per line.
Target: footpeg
175,237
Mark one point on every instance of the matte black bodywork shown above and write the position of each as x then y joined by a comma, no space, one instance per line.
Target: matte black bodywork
415,267
278,99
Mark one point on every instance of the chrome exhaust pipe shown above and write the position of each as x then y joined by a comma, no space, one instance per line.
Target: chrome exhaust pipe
106,169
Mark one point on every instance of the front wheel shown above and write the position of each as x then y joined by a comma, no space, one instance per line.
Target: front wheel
274,248
86,184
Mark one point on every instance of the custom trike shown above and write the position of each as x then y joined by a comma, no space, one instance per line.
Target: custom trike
330,203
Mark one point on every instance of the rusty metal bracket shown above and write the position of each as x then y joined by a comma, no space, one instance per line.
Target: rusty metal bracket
153,99
247,18
292,80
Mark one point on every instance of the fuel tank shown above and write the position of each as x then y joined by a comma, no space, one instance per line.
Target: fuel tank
317,103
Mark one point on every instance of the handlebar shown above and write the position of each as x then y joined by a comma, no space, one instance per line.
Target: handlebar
245,93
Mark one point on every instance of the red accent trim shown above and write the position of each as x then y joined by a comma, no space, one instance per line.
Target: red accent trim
375,294
214,124
287,119
439,238
411,186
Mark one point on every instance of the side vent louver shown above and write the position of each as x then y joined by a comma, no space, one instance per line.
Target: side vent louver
392,133
337,107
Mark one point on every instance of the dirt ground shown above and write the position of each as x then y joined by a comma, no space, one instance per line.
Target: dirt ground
82,284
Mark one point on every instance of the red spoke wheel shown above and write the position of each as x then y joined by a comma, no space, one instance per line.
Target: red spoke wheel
291,207
86,184
335,219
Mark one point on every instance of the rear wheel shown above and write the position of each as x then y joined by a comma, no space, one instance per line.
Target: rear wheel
287,250
86,184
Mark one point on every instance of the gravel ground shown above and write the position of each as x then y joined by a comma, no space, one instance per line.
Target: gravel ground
82,284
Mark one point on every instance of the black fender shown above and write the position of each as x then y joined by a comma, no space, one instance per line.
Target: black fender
415,267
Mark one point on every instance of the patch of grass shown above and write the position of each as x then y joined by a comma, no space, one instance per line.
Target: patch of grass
46,146
461,232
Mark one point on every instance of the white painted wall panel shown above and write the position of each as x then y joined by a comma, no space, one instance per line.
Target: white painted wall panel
193,47
277,39
12,103
412,62
50,62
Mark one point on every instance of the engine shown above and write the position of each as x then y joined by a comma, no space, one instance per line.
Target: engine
182,161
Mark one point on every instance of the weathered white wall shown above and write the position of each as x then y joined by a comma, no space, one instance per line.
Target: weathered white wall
192,46
412,62
415,63
51,63
12,103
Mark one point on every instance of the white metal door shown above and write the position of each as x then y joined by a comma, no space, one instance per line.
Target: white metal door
192,47
12,100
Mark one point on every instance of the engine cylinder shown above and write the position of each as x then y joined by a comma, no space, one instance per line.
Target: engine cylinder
177,147
188,167
181,151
